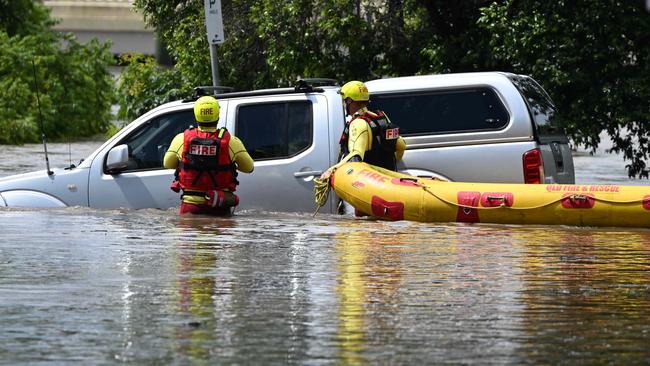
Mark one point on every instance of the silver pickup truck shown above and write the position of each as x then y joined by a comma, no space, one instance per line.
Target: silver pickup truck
480,127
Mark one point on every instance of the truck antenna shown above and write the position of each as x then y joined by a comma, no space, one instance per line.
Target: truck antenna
40,115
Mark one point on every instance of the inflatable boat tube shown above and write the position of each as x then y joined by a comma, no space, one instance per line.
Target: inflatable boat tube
394,196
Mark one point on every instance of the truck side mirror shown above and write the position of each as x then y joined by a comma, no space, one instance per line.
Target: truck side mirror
118,159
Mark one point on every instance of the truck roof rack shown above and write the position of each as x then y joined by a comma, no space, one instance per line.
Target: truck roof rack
317,82
307,85
203,90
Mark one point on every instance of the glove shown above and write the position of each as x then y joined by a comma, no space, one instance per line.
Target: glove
326,174
176,186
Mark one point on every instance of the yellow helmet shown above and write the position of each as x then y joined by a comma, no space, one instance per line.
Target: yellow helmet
206,109
355,90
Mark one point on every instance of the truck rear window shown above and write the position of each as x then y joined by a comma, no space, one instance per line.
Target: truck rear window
540,106
465,110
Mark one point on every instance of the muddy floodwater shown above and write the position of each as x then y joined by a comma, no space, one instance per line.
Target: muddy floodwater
146,287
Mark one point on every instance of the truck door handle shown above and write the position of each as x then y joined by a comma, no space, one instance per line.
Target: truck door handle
310,173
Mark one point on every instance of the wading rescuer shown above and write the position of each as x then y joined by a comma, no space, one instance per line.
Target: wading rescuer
206,160
368,136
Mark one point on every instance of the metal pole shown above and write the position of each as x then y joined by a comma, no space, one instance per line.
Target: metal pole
215,65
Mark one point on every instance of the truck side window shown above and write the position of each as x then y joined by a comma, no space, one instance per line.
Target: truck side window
275,130
452,111
148,144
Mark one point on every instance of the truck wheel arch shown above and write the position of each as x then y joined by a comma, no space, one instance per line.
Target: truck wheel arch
28,198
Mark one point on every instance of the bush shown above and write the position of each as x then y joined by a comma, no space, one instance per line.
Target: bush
144,85
76,91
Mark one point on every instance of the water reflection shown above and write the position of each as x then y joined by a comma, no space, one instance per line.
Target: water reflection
368,277
508,294
412,285
87,286
150,287
592,286
243,289
201,296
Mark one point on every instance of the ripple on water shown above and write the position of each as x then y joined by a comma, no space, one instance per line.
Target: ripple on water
78,285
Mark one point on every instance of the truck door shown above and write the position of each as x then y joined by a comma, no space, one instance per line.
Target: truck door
144,183
287,136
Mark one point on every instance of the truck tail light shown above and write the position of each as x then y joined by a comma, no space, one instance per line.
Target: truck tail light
533,167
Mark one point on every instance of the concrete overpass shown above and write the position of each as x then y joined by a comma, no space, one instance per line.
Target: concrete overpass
114,20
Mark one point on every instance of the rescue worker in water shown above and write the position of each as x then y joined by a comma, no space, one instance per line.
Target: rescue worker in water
206,160
368,136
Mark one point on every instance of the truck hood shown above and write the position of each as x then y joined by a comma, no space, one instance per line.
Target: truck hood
37,189
36,175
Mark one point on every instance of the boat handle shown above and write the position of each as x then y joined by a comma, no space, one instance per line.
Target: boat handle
493,198
578,197
414,180
502,199
310,173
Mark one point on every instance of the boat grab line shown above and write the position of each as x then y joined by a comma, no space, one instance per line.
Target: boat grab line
573,197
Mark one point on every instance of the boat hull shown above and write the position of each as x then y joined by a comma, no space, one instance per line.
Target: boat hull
395,196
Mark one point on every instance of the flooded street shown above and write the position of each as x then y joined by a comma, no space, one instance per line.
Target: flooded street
85,286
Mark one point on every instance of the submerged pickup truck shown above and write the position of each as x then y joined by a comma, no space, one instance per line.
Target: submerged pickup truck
471,127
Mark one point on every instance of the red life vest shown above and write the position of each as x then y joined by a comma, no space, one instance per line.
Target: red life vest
205,164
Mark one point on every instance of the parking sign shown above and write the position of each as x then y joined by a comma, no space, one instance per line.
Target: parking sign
214,21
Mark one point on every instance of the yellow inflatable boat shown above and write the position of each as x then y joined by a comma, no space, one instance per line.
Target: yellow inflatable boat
395,196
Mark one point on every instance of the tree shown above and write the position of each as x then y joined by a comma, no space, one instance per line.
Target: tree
181,24
592,56
453,41
23,17
76,90
270,43
145,85
594,59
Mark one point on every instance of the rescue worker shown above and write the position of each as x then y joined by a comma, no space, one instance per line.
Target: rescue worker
206,160
368,136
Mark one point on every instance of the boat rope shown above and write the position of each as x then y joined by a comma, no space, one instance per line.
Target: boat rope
573,197
630,202
321,192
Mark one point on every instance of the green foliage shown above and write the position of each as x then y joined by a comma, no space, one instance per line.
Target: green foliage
453,42
181,25
592,56
76,91
272,43
144,85
23,17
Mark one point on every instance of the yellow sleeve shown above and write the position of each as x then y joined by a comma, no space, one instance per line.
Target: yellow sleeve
360,139
240,156
399,148
173,154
